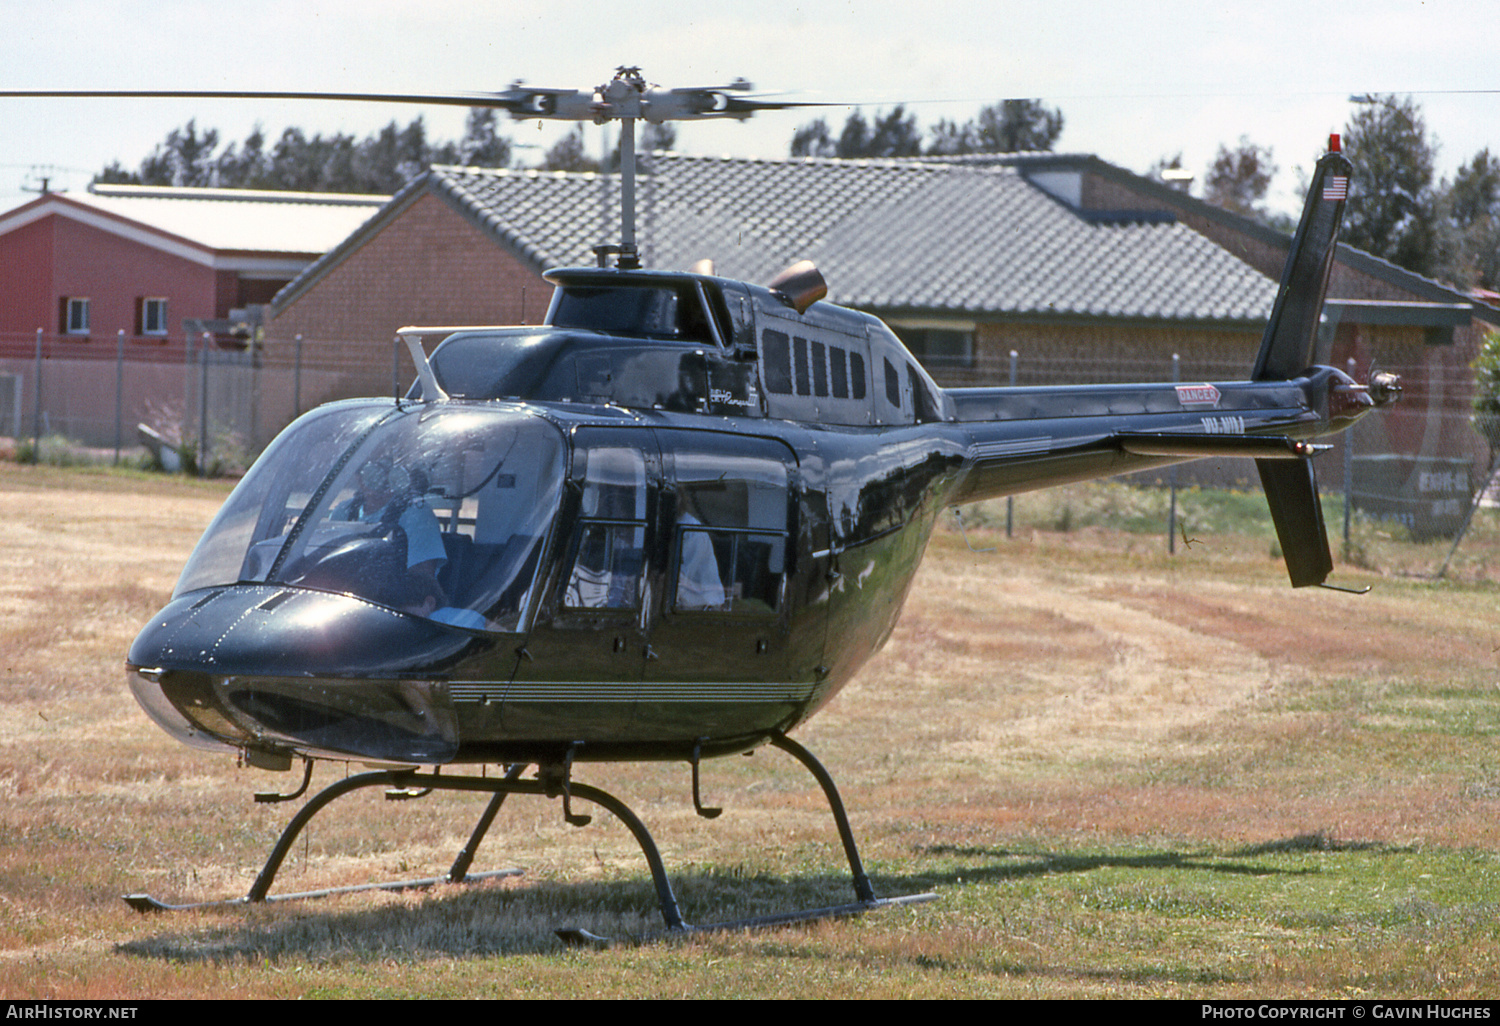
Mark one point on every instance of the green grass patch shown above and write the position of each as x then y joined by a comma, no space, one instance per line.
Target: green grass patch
1099,814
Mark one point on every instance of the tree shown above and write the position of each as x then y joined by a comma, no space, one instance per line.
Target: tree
1015,126
1487,391
569,154
1010,126
116,174
1471,207
814,139
1392,207
1238,179
185,158
949,138
482,144
248,166
319,164
649,138
1486,421
382,162
659,137
895,135
854,140
1158,172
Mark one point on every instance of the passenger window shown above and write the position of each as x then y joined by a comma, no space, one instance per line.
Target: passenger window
608,567
728,571
820,369
926,406
730,538
799,354
857,374
840,371
609,555
776,348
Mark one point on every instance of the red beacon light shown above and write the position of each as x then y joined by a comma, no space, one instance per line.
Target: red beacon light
1335,144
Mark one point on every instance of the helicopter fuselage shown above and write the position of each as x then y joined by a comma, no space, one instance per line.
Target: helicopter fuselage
672,521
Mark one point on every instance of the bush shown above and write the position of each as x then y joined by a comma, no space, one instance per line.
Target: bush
1486,419
54,451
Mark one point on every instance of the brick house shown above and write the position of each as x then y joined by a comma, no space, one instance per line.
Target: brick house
152,262
1086,271
464,245
423,259
1418,460
144,259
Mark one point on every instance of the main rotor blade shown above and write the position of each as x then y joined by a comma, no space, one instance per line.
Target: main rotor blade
520,101
506,100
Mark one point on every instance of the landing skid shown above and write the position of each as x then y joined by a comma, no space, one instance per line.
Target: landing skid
553,781
146,903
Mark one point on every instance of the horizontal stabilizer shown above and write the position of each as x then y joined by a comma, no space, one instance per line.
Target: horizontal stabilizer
1194,447
1291,336
1292,492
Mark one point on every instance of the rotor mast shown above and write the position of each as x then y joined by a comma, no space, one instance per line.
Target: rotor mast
624,94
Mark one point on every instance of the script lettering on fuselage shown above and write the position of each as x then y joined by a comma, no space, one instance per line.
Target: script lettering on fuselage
719,395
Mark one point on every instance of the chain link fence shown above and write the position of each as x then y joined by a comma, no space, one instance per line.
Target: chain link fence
219,401
1416,465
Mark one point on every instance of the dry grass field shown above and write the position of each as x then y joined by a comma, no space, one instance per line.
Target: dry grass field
1126,774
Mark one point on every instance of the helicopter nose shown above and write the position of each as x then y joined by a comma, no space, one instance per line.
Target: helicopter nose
275,670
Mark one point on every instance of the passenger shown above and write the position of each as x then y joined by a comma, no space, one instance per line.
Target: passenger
699,585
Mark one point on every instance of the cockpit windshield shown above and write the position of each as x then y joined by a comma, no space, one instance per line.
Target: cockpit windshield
441,513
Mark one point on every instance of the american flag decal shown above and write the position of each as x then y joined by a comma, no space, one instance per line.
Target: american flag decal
1336,188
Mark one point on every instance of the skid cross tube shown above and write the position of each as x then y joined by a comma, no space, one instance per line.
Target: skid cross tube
499,788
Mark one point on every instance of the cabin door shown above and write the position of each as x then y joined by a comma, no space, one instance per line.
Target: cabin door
580,674
717,653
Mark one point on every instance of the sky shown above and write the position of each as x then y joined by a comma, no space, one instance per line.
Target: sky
1136,82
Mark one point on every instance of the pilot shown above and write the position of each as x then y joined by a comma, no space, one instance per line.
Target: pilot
388,495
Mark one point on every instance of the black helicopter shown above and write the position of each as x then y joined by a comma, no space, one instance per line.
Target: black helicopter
668,523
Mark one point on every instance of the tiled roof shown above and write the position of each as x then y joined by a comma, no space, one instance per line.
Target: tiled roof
896,235
552,218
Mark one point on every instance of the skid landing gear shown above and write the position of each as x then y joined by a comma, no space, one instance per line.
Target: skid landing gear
554,780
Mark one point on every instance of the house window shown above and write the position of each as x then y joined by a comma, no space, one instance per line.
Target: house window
152,317
939,347
75,316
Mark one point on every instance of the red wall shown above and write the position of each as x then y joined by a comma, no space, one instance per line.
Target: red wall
57,256
27,301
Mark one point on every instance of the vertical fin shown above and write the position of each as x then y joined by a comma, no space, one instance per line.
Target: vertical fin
1292,492
1292,332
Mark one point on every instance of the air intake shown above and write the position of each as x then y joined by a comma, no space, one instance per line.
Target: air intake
801,285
